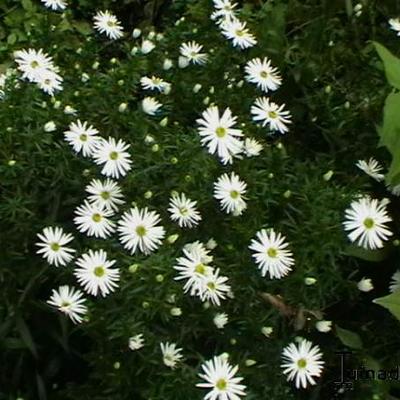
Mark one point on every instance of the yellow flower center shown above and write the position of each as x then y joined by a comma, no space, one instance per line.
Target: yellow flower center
34,64
221,384
99,271
211,285
96,217
141,230
272,114
264,74
83,137
273,253
239,32
220,131
200,269
113,155
105,195
65,304
184,211
369,223
55,246
302,363
234,194
111,24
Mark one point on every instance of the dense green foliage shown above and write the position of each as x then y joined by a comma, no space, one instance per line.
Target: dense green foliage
335,87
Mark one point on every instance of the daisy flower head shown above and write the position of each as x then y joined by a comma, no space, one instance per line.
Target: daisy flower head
94,273
252,148
302,363
70,301
82,137
171,354
184,211
224,9
192,52
395,282
366,221
33,63
220,320
193,268
106,194
201,249
395,25
136,342
271,114
139,230
221,380
230,191
154,83
107,23
218,135
50,82
270,252
371,168
214,288
53,247
113,156
94,220
236,31
263,74
55,5
150,105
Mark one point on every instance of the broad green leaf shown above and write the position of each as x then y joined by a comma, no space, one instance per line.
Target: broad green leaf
349,338
390,131
27,5
368,255
391,302
391,64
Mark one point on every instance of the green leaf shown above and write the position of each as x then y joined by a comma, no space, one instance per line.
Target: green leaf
83,27
349,338
367,255
391,64
27,5
390,302
26,336
12,38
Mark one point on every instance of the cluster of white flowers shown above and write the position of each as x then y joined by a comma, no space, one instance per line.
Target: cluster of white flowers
202,279
38,67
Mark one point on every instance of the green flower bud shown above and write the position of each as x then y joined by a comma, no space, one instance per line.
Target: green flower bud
133,268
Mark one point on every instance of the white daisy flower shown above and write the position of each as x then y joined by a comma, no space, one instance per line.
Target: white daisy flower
214,288
150,105
138,230
230,191
154,83
371,168
33,63
365,285
50,82
224,9
3,80
236,31
302,363
136,342
94,220
395,282
263,74
117,161
171,354
218,135
69,301
365,221
220,378
147,46
201,249
252,148
82,137
271,254
184,211
271,114
105,194
220,320
94,273
395,25
53,246
192,52
192,268
107,23
55,5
